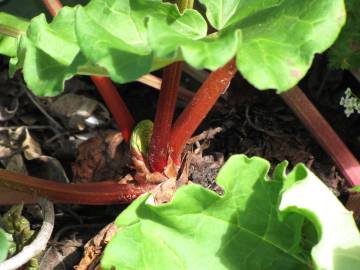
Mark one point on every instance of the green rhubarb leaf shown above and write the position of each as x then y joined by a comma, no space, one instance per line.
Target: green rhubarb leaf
12,25
280,37
243,229
186,39
345,53
279,43
339,245
113,34
49,53
274,40
4,245
202,230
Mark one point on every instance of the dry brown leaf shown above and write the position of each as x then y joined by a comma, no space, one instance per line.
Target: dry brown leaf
69,105
32,149
79,111
164,192
61,255
103,157
94,248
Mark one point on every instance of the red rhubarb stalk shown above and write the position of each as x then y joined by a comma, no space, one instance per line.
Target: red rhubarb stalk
205,98
324,134
159,145
116,105
53,6
106,88
107,192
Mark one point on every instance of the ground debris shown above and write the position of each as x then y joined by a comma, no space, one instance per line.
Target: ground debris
103,157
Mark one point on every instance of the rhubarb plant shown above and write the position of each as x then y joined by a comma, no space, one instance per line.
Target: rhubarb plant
272,43
259,223
288,221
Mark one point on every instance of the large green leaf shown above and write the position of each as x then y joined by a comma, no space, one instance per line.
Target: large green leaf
113,34
4,245
244,229
49,53
182,39
280,37
339,245
274,41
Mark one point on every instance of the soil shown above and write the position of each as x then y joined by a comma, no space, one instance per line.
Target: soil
252,122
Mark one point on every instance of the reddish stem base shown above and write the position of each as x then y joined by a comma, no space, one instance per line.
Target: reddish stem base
158,150
116,105
107,192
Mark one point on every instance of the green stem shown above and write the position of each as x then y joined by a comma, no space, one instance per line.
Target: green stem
10,31
88,70
185,4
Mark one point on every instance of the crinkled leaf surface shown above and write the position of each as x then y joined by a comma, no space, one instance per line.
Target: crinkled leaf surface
244,229
280,37
168,40
4,245
49,53
113,34
339,245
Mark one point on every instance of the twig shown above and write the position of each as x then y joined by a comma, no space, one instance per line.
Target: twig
40,242
205,135
184,94
27,127
81,227
155,82
41,109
